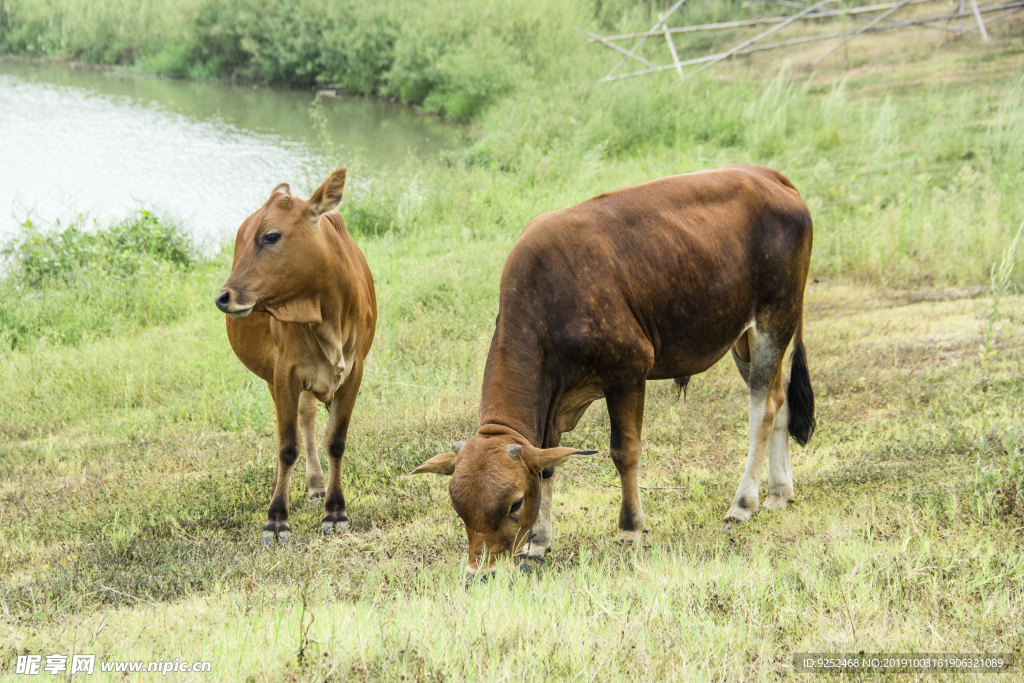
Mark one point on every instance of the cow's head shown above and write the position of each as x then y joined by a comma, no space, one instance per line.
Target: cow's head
495,489
281,256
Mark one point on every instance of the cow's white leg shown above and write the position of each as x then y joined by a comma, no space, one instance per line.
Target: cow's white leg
764,377
780,470
316,488
540,536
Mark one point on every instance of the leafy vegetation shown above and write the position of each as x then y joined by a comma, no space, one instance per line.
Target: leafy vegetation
75,283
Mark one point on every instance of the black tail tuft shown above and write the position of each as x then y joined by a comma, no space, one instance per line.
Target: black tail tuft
800,398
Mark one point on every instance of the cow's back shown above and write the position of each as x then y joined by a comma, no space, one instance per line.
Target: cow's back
670,269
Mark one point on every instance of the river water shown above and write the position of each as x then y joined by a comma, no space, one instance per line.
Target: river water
105,143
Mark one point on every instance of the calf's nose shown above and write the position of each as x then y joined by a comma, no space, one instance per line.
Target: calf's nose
222,300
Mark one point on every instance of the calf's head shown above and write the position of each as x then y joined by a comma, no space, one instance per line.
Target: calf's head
281,256
495,489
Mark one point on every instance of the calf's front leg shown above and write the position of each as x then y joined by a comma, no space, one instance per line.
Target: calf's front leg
286,403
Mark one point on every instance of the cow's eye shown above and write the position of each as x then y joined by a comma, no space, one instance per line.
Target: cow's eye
515,506
271,238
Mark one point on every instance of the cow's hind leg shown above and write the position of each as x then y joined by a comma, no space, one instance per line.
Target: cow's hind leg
780,468
315,486
335,518
764,377
626,412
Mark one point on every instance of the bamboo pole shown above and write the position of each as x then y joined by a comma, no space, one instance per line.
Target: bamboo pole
993,19
672,49
643,39
862,30
622,50
761,35
823,14
981,23
1010,7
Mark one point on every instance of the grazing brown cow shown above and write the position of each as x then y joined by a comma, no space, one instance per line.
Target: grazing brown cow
656,281
302,313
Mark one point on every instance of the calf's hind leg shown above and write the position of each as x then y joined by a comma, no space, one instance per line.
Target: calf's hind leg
315,487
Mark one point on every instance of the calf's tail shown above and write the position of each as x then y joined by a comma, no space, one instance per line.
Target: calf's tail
800,395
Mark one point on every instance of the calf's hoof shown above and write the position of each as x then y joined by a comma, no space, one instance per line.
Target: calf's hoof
316,498
629,536
334,523
276,531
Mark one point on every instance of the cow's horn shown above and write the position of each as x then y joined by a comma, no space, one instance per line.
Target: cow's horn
457,446
514,450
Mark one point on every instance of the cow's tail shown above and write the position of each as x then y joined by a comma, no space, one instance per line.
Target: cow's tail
800,395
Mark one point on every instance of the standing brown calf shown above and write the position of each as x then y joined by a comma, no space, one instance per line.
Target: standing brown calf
302,313
656,281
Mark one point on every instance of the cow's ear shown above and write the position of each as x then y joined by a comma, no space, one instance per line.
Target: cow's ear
303,309
439,464
548,457
328,195
283,188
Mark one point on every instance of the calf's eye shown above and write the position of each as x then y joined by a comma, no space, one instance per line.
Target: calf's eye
271,238
515,506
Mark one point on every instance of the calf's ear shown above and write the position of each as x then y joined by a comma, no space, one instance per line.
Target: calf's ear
549,457
328,195
439,464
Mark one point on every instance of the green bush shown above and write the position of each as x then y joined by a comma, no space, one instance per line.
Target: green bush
72,284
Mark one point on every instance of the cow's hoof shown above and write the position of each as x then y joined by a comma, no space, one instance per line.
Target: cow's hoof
317,499
741,511
776,502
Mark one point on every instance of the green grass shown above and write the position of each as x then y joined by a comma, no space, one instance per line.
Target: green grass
136,453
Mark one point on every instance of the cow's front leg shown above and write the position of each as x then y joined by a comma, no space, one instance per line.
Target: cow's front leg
315,486
286,403
540,536
626,413
335,519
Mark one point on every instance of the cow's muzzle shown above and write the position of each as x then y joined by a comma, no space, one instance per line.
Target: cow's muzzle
225,302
